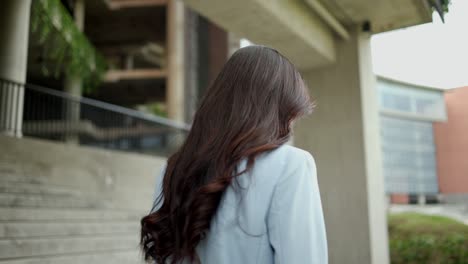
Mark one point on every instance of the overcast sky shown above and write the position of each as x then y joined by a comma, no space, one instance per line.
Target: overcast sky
433,54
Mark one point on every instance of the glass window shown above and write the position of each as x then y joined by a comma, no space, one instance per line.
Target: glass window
408,156
409,99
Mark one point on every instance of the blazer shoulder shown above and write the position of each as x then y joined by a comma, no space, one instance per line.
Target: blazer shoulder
291,154
288,158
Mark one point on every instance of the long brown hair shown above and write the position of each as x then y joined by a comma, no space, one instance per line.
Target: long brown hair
247,110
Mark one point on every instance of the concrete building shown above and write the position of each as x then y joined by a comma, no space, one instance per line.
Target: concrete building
328,40
62,201
330,43
423,135
408,114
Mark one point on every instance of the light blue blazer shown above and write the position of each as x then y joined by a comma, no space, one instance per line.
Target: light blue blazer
273,216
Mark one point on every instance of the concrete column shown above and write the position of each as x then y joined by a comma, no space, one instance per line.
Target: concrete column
191,63
343,136
421,199
73,84
175,53
233,43
14,35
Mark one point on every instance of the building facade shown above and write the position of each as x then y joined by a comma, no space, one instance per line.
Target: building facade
167,51
424,142
407,116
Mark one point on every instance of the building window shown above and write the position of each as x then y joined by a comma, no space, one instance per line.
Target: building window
409,163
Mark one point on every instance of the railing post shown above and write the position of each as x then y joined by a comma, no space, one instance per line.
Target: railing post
175,63
175,60
73,83
14,34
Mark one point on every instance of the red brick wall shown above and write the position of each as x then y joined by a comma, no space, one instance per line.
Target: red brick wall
451,140
399,198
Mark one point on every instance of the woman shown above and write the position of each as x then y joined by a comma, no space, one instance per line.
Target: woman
234,192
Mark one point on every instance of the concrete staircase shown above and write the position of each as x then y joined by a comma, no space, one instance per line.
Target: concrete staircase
41,222
62,203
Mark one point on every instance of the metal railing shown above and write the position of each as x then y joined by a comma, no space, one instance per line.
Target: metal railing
40,112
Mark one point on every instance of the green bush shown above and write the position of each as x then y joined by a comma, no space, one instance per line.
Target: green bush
425,239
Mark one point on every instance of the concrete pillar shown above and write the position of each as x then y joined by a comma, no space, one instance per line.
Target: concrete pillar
14,35
73,84
421,199
233,43
175,53
343,136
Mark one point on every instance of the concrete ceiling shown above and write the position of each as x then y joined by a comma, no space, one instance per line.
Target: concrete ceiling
383,15
306,30
286,25
131,26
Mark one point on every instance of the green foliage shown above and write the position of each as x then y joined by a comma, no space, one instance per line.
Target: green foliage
445,5
62,44
417,238
440,5
156,108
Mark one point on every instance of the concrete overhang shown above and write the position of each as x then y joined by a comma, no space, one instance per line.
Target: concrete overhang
290,26
383,15
306,30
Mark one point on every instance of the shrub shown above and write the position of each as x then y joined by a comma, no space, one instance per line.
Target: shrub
417,238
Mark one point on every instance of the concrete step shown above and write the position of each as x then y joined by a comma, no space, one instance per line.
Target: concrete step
73,181
15,230
16,248
36,188
107,257
10,167
20,177
54,214
41,200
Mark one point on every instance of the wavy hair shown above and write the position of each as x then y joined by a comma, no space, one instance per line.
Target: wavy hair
247,110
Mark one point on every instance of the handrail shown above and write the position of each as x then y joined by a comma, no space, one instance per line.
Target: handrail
104,105
40,112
